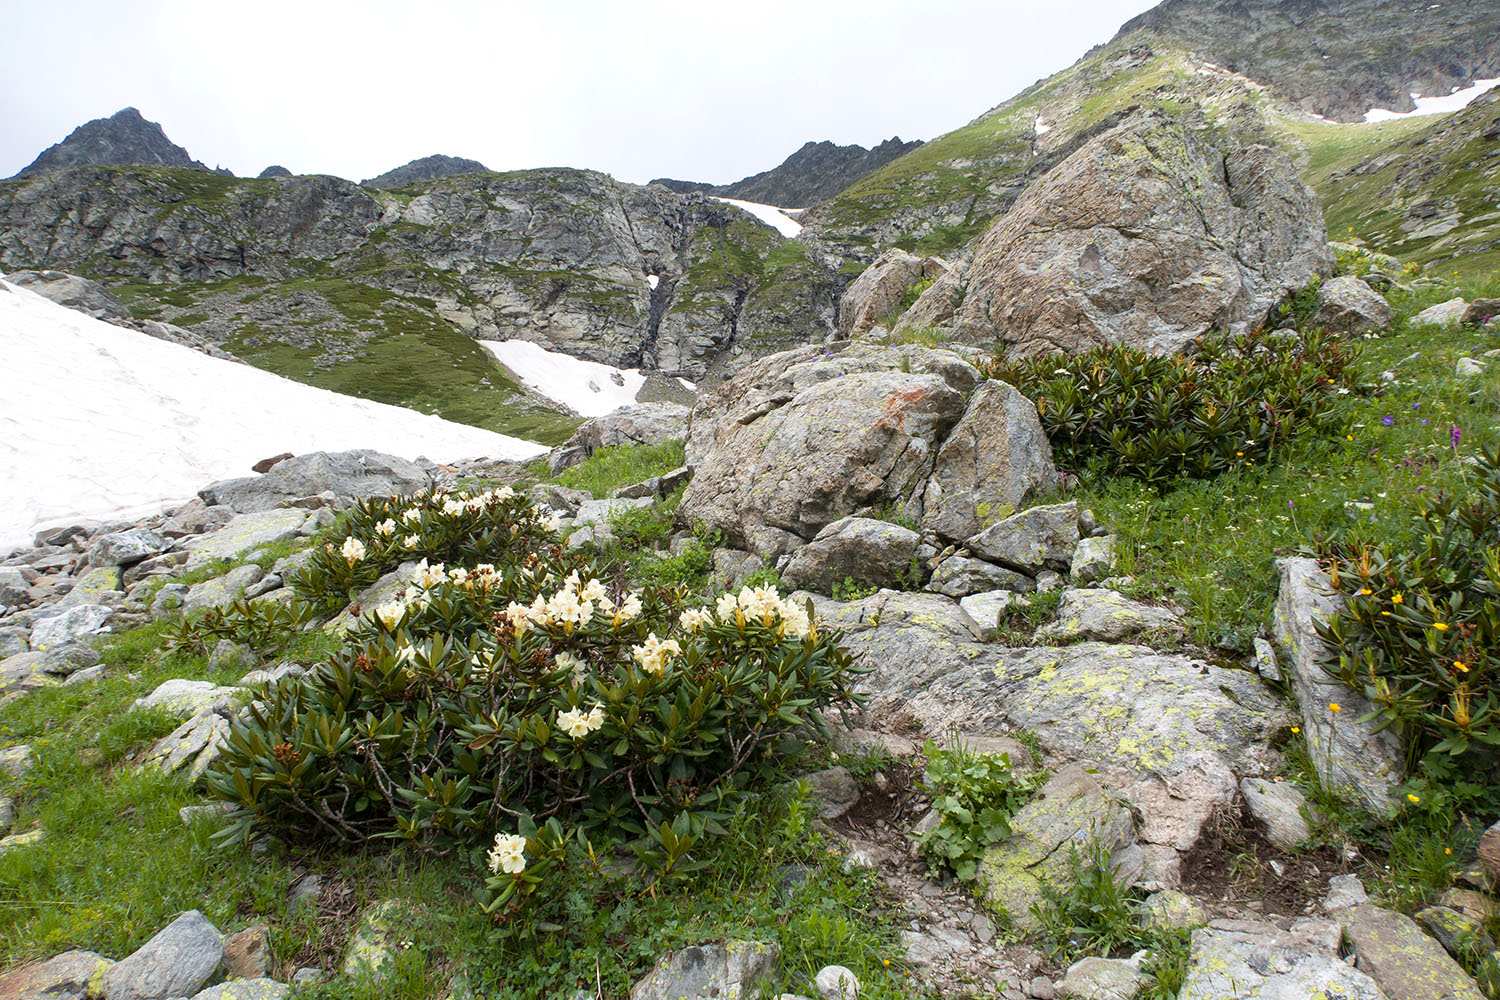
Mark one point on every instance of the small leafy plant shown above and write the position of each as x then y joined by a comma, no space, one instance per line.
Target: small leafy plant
975,795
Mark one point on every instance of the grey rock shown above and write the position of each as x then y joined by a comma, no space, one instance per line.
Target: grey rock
70,626
163,565
192,746
370,950
246,989
14,640
390,585
222,590
275,675
983,612
1241,958
187,698
1351,758
17,761
834,982
287,567
1093,560
72,292
560,498
1480,311
307,974
1348,305
1279,808
1391,949
17,841
995,460
870,551
320,518
211,812
14,587
1036,538
1468,368
731,566
960,576
1170,908
1105,615
427,168
834,791
731,970
1152,233
1071,809
246,532
88,675
22,669
1266,663
356,474
7,814
1103,979
1344,891
175,963
194,518
169,598
230,655
1489,851
264,585
1462,935
880,288
601,512
304,894
100,585
121,548
640,423
1450,313
247,953
68,976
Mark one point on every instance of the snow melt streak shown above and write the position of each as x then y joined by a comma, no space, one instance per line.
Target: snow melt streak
588,388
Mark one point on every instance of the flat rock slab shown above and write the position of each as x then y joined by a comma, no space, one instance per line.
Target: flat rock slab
221,591
1392,950
1279,807
731,970
1105,615
73,975
186,698
360,473
71,625
193,745
246,532
1238,958
174,963
94,587
246,989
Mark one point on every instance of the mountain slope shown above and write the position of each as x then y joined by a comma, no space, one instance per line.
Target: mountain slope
817,171
428,168
123,138
1340,58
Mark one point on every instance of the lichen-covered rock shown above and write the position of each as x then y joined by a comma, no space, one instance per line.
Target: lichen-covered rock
990,464
1096,978
1105,615
731,970
1157,231
1230,959
1093,560
73,975
1391,949
247,989
100,585
1489,851
960,576
246,532
1347,304
1450,313
982,612
221,590
122,548
1460,933
834,982
858,548
186,698
1071,810
174,963
69,626
1034,539
1351,758
194,745
370,952
355,474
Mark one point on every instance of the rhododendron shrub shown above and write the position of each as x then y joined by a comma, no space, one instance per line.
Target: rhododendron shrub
519,702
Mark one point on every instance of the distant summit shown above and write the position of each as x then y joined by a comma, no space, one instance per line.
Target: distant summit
817,171
275,170
1340,58
124,138
428,168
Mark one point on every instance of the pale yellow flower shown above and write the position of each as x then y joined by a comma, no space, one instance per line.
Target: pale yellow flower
508,855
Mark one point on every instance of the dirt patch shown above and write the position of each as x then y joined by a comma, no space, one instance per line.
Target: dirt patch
338,909
1235,868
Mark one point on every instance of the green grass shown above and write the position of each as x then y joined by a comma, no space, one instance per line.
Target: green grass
610,468
1186,543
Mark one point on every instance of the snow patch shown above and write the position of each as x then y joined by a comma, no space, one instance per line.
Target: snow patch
1041,126
1456,101
653,280
98,421
588,388
772,216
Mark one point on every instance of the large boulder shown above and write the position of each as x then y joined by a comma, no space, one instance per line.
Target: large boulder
347,474
881,287
88,297
1347,304
1244,958
1407,964
174,963
858,548
1037,538
122,548
245,532
805,437
1152,233
1352,758
731,970
641,423
73,975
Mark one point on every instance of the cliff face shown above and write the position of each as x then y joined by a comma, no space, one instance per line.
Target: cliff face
123,138
1340,58
817,171
310,273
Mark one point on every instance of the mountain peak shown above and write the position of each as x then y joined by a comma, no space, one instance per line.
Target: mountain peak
819,170
427,168
124,138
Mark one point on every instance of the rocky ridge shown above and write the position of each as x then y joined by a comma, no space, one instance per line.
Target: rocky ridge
817,171
124,138
427,168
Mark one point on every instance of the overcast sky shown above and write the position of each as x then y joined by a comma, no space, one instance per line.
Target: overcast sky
695,90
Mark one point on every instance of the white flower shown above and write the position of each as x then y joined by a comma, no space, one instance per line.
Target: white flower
595,718
508,855
386,527
411,541
353,550
503,493
629,608
453,507
552,521
390,612
592,591
760,602
794,620
518,615
567,661
412,515
727,607
693,619
565,606
428,576
653,654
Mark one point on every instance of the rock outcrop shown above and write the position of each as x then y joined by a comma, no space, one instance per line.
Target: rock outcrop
880,289
1152,234
428,168
124,138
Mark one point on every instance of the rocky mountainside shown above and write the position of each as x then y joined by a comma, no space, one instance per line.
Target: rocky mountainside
1340,58
817,171
123,138
428,168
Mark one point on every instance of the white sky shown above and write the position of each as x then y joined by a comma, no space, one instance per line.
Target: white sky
694,90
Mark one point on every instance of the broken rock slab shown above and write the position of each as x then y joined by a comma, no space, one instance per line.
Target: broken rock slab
1243,958
730,970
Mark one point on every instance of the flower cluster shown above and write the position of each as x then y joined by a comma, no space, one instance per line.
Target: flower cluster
508,855
353,550
755,604
573,606
579,724
653,654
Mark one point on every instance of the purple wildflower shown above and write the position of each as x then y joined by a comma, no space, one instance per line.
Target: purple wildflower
1454,433
1388,421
